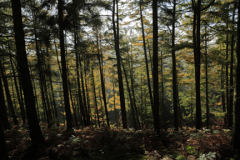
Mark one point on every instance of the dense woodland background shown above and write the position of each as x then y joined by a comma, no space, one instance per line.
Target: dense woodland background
119,64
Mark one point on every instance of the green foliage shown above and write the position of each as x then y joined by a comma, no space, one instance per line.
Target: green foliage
180,157
190,150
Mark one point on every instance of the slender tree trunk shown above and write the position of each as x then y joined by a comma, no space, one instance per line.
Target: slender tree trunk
120,81
227,87
3,109
163,109
146,58
132,87
35,131
9,99
206,68
114,104
174,71
53,96
223,95
236,137
83,92
18,94
231,74
102,81
155,69
95,96
130,97
64,71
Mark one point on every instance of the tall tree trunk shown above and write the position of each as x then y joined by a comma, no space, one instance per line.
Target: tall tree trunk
206,68
114,105
163,109
83,92
174,71
227,87
155,109
35,131
197,56
18,94
102,81
95,96
236,137
78,78
146,58
64,71
223,95
53,96
3,109
120,81
9,99
130,99
231,74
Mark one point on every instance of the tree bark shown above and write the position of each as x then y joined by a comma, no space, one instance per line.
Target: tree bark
35,131
64,71
120,81
146,58
231,74
236,137
155,109
9,99
174,71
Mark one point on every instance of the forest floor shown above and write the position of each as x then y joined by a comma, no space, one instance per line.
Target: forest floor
113,144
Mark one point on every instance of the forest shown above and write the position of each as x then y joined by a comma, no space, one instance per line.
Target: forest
117,79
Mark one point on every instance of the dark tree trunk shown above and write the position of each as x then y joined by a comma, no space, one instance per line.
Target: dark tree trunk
236,137
163,109
3,109
53,96
146,58
95,96
102,81
35,131
42,80
83,92
9,99
120,81
227,87
130,99
197,56
155,69
64,71
174,71
223,95
18,94
231,74
206,68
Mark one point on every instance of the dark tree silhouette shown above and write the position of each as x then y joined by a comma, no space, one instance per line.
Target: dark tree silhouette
35,132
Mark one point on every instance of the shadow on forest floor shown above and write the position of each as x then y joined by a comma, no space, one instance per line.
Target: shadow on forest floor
114,144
